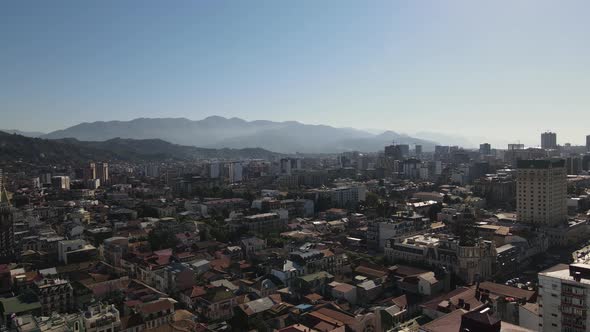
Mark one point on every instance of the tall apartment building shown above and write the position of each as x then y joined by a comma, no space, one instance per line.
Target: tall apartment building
485,149
6,225
288,165
102,172
89,172
235,172
395,151
418,150
564,298
541,192
214,168
549,140
588,143
61,182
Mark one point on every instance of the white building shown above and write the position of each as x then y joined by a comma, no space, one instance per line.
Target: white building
61,182
214,170
235,172
564,298
101,317
349,195
69,251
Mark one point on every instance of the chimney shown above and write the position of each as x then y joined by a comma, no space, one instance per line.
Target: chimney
578,276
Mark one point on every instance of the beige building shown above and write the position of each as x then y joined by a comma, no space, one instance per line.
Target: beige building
541,189
441,250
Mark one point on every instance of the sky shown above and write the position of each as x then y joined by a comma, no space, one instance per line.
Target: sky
497,70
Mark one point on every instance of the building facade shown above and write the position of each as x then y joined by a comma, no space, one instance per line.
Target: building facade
541,190
564,295
444,251
6,225
549,140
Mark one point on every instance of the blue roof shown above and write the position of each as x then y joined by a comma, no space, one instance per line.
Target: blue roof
304,306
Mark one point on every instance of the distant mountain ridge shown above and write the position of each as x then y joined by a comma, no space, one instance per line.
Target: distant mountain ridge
18,147
220,132
23,133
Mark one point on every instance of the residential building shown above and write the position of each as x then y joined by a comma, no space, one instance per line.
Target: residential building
216,304
102,172
61,182
549,140
235,172
54,323
541,188
564,298
348,195
156,313
89,172
263,223
485,149
7,245
55,295
101,317
75,251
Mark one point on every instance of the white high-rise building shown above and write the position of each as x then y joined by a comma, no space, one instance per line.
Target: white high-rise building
214,170
235,172
61,182
541,189
564,298
102,172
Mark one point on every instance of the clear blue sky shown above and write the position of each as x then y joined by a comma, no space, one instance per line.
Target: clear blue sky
500,70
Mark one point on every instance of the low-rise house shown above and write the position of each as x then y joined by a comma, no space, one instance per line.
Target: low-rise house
101,317
216,304
262,286
252,245
156,313
313,283
369,290
344,291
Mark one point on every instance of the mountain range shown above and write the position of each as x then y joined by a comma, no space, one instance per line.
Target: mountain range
19,147
219,132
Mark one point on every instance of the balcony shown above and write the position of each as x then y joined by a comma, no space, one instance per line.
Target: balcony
575,325
571,293
566,304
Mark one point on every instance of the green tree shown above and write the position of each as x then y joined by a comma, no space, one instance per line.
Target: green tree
371,200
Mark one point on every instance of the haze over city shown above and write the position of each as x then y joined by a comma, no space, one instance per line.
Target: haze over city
294,166
499,72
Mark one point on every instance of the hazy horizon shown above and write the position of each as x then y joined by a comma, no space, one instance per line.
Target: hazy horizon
499,72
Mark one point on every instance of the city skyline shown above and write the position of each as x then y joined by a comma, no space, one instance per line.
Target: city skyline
405,67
